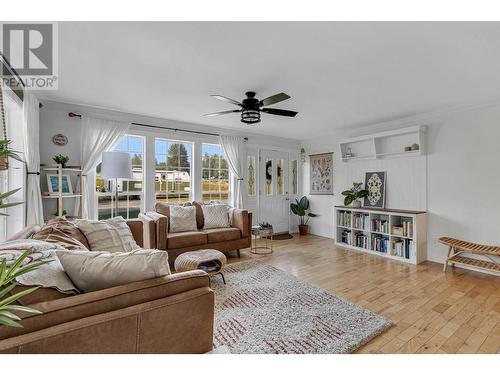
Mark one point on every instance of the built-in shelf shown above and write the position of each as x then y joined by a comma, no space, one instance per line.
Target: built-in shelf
409,246
56,196
384,145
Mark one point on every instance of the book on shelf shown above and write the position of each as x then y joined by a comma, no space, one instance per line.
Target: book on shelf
379,225
402,248
361,240
344,218
345,237
360,221
380,244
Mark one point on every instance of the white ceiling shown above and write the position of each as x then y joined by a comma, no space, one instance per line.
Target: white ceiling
338,74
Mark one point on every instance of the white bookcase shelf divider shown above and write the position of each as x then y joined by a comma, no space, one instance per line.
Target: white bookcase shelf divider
396,234
384,144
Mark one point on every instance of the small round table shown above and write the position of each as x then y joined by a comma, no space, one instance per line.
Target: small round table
265,233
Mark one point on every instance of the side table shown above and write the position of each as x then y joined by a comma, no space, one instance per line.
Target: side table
264,234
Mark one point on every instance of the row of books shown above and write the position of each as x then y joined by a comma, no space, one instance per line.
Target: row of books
361,240
360,221
405,229
345,237
345,219
381,226
402,248
380,244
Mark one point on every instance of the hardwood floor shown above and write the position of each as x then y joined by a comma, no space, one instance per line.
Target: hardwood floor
433,312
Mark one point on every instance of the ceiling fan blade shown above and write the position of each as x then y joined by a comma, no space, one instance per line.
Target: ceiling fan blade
274,99
222,113
228,100
279,112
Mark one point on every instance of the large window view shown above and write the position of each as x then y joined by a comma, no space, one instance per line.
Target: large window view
129,191
215,174
172,171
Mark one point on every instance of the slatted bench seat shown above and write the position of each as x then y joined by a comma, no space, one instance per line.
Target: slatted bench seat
456,249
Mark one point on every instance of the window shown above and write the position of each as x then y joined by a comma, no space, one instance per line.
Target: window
172,171
129,191
215,174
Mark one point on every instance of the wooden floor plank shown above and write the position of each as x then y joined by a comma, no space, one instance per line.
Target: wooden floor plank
432,311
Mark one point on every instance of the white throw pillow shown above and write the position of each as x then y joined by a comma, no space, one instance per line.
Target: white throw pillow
182,219
91,270
215,216
112,235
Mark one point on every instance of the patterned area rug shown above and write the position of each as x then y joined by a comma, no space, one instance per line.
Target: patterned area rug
265,310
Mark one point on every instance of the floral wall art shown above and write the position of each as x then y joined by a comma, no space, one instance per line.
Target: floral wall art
321,174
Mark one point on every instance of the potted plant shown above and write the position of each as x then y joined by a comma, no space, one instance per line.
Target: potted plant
6,153
61,159
354,194
301,208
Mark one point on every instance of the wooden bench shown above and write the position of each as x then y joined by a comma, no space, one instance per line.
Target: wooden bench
458,247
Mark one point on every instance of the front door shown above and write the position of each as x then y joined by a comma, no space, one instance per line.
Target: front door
273,189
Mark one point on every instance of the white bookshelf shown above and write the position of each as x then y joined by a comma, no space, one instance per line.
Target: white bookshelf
403,232
383,145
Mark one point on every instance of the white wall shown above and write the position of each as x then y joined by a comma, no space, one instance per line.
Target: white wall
457,182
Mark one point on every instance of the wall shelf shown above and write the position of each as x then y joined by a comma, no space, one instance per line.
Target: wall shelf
409,247
383,144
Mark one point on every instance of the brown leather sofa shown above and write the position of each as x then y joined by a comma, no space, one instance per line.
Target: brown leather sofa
171,314
237,237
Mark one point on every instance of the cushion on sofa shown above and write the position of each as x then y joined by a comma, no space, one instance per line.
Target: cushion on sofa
182,219
92,271
64,232
222,234
112,235
186,239
164,207
199,214
215,216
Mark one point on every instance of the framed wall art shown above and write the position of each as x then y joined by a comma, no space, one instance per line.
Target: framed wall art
321,174
375,184
53,184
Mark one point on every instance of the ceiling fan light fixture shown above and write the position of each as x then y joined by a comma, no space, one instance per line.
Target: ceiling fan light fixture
250,116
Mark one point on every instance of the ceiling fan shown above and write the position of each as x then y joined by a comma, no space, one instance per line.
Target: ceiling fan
251,107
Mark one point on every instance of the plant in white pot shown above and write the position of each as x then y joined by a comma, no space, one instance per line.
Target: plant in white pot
301,208
354,194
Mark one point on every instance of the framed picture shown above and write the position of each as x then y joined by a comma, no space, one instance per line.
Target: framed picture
375,184
53,184
321,174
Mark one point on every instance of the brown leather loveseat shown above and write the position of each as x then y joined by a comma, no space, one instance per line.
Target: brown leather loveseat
237,237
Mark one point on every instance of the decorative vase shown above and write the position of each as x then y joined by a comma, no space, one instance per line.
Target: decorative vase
303,229
356,203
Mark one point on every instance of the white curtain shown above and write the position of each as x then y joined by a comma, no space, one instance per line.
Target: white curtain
98,136
235,153
31,140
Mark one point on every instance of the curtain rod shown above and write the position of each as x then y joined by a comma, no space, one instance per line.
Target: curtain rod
72,114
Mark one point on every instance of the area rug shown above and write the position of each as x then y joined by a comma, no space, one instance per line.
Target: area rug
262,309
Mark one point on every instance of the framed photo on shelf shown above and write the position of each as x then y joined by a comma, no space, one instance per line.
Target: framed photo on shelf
375,184
53,184
321,174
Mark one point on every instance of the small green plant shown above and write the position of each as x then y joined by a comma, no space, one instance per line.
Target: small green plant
7,283
354,193
61,159
300,208
6,152
3,196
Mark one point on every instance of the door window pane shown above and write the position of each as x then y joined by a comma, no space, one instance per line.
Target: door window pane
269,177
279,176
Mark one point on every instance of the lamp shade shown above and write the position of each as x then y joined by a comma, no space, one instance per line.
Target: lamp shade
116,165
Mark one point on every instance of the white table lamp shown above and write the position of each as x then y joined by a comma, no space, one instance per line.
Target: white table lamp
116,165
